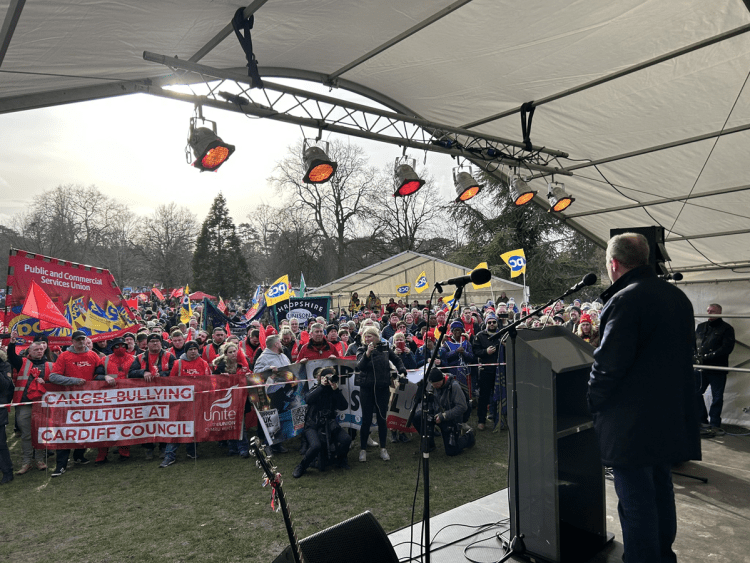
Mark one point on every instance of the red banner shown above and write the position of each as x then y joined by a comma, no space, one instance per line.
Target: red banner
168,409
86,296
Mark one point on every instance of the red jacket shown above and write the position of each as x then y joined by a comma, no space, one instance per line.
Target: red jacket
81,366
117,367
210,352
184,368
312,352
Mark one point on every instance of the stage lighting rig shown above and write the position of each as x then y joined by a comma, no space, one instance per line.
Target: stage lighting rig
559,199
520,192
407,181
466,186
318,167
209,149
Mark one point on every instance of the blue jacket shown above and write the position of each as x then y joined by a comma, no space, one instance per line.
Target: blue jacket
642,390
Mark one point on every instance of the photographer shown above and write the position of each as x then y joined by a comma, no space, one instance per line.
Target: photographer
323,401
448,405
374,360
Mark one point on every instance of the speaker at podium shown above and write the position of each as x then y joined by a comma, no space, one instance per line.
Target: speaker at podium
562,510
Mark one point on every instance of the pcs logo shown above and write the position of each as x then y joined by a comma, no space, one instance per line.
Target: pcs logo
421,281
403,289
516,263
277,290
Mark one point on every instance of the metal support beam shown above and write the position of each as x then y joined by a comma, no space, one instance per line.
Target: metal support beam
224,33
656,148
9,26
708,235
658,201
619,74
715,266
400,37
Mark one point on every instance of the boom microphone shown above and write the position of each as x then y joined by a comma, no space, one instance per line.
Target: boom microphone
478,277
588,279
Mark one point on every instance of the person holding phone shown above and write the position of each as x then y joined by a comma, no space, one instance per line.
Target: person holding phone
374,358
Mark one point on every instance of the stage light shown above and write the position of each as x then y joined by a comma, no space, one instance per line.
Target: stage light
407,181
558,198
208,148
466,186
520,192
318,167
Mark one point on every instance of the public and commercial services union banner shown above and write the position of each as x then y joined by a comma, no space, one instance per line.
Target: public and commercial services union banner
168,409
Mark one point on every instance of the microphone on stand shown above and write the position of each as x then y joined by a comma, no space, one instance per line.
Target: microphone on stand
478,277
588,279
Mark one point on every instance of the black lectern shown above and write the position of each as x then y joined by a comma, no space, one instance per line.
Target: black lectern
560,477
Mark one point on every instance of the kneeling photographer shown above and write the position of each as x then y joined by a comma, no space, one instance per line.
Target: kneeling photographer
322,429
447,408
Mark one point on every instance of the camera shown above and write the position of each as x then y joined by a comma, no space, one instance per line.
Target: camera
333,378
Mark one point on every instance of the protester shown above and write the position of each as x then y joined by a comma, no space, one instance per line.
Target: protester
490,353
6,397
272,358
226,363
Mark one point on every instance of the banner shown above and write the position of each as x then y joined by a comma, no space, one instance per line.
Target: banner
421,283
86,296
168,409
257,306
516,261
279,291
403,289
302,309
302,286
402,401
212,318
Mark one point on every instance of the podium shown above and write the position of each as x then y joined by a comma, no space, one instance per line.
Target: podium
562,510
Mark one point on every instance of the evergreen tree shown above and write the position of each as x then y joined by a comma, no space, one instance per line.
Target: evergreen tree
219,267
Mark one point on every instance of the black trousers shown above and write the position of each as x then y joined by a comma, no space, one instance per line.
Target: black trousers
6,465
374,401
340,439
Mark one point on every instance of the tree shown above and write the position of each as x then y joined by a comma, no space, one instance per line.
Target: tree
218,263
338,206
166,242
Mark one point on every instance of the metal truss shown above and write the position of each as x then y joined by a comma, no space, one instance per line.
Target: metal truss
232,91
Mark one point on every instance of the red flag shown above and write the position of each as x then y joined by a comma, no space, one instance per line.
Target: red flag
159,294
132,303
38,305
222,306
262,337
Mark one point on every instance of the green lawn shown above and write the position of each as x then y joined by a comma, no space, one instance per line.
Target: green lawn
215,509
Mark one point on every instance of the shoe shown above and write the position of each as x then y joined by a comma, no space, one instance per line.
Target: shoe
101,462
394,437
403,437
149,455
168,460
343,464
372,443
232,453
25,468
298,472
384,455
718,430
278,449
472,438
40,465
58,472
82,461
362,455
465,428
6,479
244,454
707,433
480,426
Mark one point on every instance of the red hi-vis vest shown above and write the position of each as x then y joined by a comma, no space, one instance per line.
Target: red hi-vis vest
123,374
189,373
22,378
143,358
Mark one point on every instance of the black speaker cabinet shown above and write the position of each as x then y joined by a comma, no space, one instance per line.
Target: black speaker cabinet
361,539
562,510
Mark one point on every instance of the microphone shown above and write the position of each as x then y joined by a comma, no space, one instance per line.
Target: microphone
676,276
588,279
478,277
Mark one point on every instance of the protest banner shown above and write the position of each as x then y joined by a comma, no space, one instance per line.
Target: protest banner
301,308
402,401
86,296
167,409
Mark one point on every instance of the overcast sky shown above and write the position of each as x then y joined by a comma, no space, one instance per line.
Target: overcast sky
133,149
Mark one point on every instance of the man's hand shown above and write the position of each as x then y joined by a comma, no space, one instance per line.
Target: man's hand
492,349
275,369
79,381
302,361
110,380
148,376
370,349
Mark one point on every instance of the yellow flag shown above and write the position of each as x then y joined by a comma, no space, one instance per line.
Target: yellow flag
516,261
279,291
421,284
402,289
488,284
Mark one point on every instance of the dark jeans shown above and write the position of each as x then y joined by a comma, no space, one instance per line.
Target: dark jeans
647,513
486,387
374,400
717,381
63,455
6,465
316,442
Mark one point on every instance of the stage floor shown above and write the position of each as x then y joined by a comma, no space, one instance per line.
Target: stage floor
713,518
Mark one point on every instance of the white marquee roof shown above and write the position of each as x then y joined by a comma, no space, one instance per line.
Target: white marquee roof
462,62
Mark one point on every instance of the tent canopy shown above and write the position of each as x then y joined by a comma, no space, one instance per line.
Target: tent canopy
199,295
648,98
383,277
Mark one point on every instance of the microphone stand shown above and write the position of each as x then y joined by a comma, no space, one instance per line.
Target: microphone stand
516,545
428,426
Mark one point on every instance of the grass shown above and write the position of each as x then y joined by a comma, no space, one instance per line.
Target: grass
215,509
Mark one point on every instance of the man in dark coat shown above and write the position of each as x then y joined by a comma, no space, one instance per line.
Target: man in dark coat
642,394
714,341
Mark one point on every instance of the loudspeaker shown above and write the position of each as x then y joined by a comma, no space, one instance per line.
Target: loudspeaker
361,539
655,237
